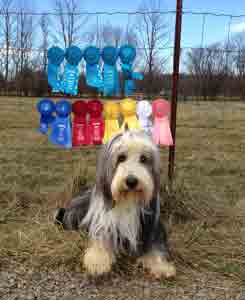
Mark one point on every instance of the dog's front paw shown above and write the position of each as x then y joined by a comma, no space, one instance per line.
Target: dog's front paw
98,259
157,265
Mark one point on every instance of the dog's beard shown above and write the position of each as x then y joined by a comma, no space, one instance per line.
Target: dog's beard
126,196
124,221
115,226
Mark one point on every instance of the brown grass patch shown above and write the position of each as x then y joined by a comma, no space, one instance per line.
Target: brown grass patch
203,212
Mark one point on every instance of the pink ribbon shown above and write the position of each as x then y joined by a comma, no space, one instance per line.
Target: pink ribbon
161,132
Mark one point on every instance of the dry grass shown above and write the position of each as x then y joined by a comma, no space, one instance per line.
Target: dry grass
204,213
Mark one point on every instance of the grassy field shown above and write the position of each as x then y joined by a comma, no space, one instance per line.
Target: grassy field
204,213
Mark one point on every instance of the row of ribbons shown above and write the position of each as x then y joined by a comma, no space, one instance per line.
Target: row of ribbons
95,123
105,79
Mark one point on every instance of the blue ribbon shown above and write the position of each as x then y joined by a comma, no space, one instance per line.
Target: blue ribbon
61,127
46,108
110,73
127,54
93,74
70,80
55,58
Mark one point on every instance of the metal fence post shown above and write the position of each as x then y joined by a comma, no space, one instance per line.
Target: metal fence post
175,85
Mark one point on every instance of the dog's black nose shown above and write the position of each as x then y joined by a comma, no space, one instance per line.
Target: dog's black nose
131,182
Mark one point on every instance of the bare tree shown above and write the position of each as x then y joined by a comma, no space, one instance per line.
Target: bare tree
24,40
237,65
70,21
110,35
153,35
44,26
23,46
238,54
208,67
8,23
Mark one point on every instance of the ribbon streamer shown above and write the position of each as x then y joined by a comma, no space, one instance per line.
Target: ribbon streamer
73,57
111,114
128,109
93,74
46,108
161,129
110,73
61,127
144,111
79,124
127,54
55,58
96,124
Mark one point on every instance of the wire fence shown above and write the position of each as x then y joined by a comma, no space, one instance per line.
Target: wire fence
110,13
212,46
212,61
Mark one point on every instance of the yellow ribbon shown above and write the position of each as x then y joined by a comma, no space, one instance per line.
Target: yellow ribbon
128,109
111,114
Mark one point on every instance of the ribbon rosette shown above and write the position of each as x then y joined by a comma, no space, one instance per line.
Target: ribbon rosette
61,127
127,54
144,112
128,109
161,129
93,75
111,114
73,57
56,56
79,124
46,108
110,73
96,123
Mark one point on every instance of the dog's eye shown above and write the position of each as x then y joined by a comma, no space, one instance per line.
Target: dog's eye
143,159
121,158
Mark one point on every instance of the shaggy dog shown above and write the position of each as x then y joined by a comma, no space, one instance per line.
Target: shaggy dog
122,211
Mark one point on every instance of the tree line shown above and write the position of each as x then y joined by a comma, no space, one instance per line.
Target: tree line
207,73
216,71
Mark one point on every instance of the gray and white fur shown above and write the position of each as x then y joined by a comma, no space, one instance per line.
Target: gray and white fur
123,208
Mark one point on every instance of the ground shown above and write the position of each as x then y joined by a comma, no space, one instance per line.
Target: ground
203,214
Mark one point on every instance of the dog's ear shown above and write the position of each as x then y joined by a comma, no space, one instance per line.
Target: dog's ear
126,127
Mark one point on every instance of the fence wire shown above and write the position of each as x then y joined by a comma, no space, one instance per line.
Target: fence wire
211,49
110,13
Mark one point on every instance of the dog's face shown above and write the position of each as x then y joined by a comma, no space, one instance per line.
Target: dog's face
128,168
